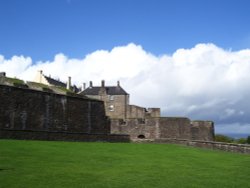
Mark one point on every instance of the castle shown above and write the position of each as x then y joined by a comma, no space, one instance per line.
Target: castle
50,109
140,122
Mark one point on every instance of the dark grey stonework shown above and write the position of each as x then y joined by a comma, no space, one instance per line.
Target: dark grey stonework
47,113
61,136
23,110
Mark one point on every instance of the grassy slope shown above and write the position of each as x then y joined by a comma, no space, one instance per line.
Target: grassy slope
68,164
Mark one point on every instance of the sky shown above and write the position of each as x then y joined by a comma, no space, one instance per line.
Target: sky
189,57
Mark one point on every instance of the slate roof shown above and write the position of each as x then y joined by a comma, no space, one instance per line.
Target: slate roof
110,90
55,82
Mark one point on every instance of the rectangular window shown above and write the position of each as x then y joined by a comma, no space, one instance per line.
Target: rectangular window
111,97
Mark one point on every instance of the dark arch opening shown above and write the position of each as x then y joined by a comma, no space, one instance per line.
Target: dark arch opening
141,136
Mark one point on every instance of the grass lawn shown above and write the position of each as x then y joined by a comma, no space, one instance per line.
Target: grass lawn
42,164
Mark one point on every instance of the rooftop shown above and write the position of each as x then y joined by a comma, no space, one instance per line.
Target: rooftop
110,90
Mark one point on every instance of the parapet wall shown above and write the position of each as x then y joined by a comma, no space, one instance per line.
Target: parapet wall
174,127
26,109
202,130
237,148
134,111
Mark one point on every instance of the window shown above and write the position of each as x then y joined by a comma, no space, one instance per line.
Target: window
111,97
122,122
141,121
111,108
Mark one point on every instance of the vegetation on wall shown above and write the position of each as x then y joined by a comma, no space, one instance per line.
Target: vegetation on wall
248,140
14,81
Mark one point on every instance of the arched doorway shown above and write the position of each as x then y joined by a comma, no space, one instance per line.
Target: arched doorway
141,136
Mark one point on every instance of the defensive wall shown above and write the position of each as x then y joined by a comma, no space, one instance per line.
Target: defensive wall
33,112
164,127
134,111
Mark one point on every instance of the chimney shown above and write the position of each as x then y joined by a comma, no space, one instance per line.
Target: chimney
103,83
90,84
2,74
40,72
83,86
118,83
69,83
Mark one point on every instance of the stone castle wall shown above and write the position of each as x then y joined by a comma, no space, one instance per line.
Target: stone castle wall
135,112
26,109
202,130
141,112
230,147
164,127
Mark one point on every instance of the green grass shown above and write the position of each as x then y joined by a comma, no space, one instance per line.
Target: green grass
42,164
14,81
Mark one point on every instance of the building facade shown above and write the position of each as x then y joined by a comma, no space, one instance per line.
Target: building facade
116,101
140,122
47,80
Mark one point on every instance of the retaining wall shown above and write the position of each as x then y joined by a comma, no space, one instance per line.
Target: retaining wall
238,148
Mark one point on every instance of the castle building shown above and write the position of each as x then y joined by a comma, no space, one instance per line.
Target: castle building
140,122
47,80
116,101
86,113
115,98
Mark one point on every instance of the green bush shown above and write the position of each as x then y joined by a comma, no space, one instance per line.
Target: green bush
241,141
223,138
248,140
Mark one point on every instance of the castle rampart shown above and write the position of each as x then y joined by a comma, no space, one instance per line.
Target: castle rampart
25,109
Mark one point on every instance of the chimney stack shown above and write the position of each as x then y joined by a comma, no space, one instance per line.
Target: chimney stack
2,74
40,72
103,83
118,83
90,84
83,86
69,83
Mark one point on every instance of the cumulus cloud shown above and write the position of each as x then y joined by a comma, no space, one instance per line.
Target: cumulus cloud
204,82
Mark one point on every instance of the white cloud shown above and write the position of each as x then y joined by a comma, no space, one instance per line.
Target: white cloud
204,82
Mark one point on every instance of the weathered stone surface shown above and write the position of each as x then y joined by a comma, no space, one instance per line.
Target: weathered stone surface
25,109
61,136
163,127
202,130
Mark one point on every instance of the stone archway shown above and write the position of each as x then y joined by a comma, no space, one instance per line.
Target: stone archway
141,136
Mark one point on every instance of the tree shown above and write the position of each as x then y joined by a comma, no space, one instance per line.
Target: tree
223,138
241,141
248,140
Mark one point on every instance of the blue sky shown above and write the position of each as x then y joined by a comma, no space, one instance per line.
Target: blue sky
42,28
188,57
